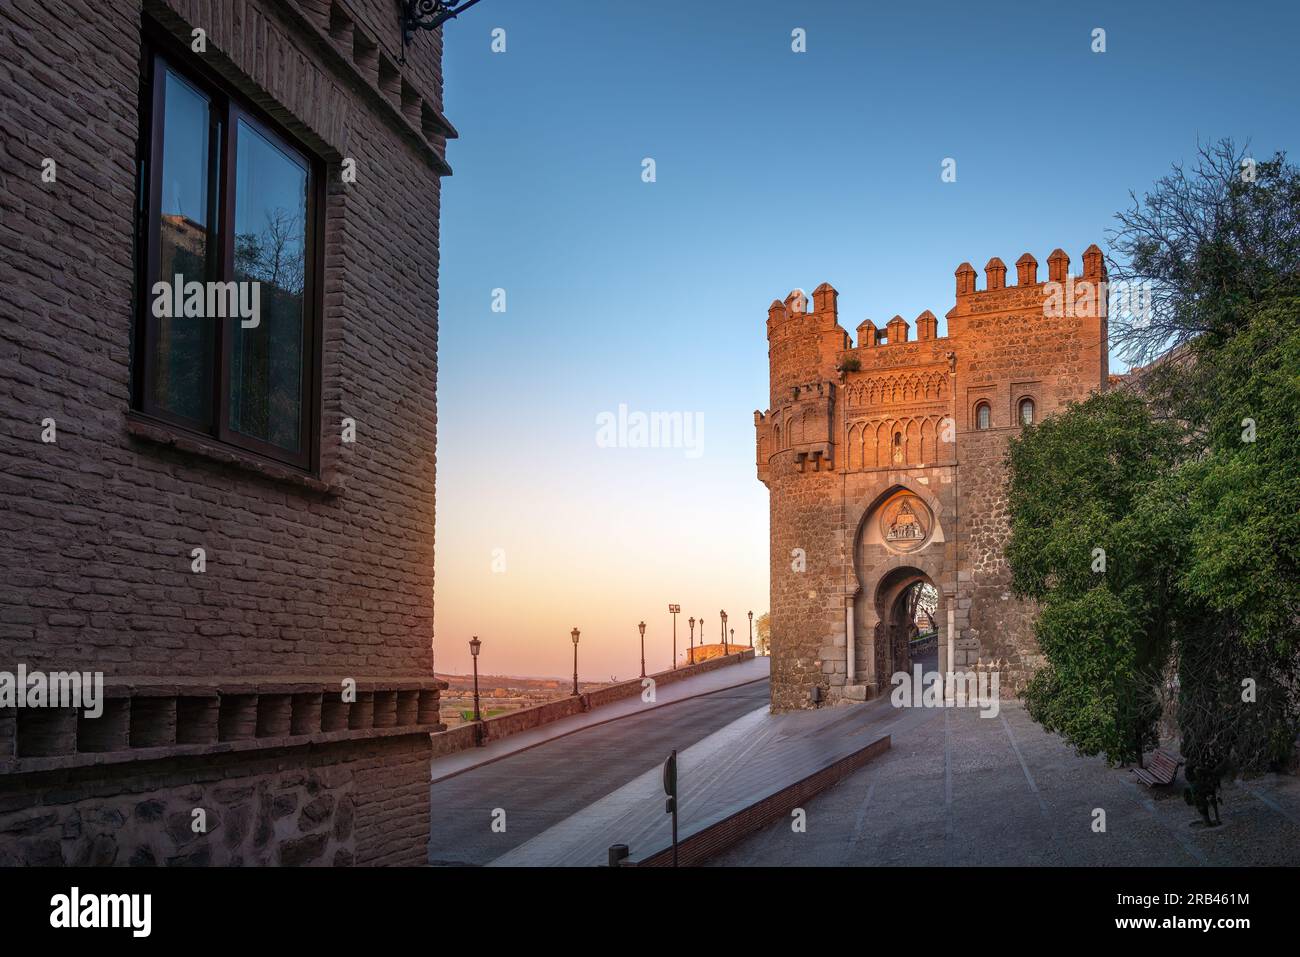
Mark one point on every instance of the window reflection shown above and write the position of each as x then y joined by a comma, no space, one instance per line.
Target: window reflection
182,363
270,244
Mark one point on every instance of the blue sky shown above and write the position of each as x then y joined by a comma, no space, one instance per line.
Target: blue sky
774,170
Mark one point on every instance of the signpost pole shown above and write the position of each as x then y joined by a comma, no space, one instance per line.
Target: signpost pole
670,788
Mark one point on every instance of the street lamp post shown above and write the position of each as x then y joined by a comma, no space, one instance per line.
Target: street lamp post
691,622
725,652
641,626
751,629
474,645
673,610
733,636
574,635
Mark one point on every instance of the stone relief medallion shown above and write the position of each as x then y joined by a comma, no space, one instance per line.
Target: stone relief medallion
905,523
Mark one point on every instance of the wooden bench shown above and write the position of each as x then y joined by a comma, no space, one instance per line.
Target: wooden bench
1162,767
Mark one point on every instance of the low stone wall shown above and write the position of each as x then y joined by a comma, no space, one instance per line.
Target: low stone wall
631,689
502,726
340,803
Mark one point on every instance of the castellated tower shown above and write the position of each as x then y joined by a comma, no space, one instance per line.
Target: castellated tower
885,463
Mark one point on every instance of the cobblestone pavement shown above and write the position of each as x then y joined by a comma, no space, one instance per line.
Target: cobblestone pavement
960,790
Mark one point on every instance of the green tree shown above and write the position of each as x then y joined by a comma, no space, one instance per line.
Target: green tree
1239,659
1095,554
1219,246
1204,526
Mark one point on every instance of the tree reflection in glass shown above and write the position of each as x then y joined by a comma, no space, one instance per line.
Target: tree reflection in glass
270,248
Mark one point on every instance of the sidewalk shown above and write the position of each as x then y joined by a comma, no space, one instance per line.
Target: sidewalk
731,676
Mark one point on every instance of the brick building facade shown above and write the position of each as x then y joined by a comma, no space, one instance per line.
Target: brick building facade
280,680
885,464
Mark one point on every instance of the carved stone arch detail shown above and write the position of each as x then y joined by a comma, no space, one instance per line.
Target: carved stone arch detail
933,558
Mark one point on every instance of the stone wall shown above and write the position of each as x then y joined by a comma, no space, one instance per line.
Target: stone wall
329,806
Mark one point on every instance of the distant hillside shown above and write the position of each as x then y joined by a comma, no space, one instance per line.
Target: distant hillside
466,682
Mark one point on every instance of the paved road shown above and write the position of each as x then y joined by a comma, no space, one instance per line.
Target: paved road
542,786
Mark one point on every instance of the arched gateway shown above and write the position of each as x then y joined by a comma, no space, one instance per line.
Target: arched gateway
885,463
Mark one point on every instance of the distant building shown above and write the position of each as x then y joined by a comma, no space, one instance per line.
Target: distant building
235,522
884,460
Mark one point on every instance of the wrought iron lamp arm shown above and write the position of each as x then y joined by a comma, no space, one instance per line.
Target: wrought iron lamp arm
429,14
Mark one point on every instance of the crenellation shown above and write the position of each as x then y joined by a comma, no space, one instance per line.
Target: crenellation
995,274
1058,265
1026,270
825,300
965,279
1094,264
868,334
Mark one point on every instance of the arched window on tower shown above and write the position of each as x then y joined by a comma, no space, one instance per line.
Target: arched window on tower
982,414
1026,411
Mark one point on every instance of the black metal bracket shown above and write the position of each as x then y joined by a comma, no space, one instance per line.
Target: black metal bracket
429,15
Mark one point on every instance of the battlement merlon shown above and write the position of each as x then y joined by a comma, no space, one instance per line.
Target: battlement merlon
805,340
1085,295
794,313
1058,266
824,315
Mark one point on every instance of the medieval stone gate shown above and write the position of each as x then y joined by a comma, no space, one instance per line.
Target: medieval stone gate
885,464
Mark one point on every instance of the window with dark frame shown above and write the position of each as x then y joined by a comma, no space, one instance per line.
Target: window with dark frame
228,319
982,416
